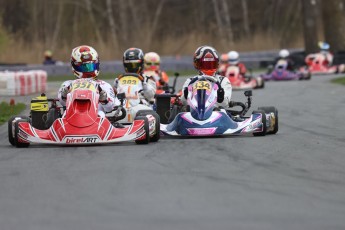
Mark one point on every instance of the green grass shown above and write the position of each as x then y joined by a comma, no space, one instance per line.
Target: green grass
7,111
340,80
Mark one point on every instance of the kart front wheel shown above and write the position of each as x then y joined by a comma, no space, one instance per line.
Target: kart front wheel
264,124
17,142
146,139
156,136
272,109
11,127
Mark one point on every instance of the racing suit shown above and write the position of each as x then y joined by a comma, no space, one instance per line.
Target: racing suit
224,84
147,90
107,96
161,78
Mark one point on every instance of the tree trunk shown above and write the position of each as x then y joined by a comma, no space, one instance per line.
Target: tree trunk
154,23
309,17
245,17
333,15
113,33
93,21
57,25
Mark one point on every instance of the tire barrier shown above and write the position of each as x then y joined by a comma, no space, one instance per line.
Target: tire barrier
23,82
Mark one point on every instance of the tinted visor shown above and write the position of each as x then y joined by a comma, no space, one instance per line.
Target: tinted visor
85,67
133,67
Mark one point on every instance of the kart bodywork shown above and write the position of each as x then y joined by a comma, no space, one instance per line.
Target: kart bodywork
281,73
240,82
79,125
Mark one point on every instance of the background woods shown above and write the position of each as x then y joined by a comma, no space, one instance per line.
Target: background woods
170,27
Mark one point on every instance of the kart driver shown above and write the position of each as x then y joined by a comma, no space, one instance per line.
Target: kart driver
152,68
324,50
85,64
133,62
284,54
206,61
234,60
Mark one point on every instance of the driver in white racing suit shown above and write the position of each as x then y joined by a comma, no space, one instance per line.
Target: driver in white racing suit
206,61
133,62
85,64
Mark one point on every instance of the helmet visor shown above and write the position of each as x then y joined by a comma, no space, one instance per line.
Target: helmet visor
85,67
133,67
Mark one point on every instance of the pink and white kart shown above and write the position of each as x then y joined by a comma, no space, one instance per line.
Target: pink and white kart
281,73
240,82
80,124
316,64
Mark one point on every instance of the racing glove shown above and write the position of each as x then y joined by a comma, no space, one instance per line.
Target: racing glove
64,91
103,97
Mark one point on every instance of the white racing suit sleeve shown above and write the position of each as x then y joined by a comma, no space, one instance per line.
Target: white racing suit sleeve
112,100
61,97
149,88
225,84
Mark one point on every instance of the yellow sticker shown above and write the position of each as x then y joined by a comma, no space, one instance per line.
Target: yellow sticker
202,85
83,85
129,80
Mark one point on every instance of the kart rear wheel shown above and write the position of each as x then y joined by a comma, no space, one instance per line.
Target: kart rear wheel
271,109
10,127
146,140
264,124
17,143
157,135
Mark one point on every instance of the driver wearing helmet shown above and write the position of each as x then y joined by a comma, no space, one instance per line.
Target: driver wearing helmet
234,60
133,62
324,50
152,68
206,61
284,54
85,64
224,63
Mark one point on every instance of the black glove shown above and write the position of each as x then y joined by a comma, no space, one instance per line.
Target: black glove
185,92
220,93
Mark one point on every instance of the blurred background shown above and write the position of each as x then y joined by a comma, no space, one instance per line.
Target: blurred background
169,27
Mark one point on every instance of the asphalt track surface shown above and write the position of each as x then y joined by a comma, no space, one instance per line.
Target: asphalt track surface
292,180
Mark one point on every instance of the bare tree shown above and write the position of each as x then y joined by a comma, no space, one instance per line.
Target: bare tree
112,24
309,24
334,20
245,17
93,21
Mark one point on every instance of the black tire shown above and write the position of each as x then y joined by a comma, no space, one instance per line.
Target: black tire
157,135
264,124
147,131
272,109
10,130
16,132
163,107
52,115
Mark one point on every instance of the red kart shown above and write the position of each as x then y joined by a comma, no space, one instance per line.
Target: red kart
239,82
79,125
317,64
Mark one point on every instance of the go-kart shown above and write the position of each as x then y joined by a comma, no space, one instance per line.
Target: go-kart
316,65
202,118
79,124
281,73
240,82
129,92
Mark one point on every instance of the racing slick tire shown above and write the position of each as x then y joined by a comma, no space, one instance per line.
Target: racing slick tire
264,123
52,115
271,109
17,143
10,128
157,135
146,140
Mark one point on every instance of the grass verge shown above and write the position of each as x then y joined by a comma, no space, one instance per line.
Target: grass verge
7,110
340,80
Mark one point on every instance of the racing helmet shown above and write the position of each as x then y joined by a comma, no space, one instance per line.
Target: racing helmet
206,60
85,62
324,46
151,61
224,58
48,54
234,57
284,53
133,60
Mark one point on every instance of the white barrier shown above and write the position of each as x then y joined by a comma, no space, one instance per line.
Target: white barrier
23,82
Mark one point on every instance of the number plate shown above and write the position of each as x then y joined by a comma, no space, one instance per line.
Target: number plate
202,85
129,80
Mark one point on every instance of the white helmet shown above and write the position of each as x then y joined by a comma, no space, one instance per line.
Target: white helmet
234,57
284,53
152,61
85,62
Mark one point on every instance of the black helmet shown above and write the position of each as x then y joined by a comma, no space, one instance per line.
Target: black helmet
133,60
